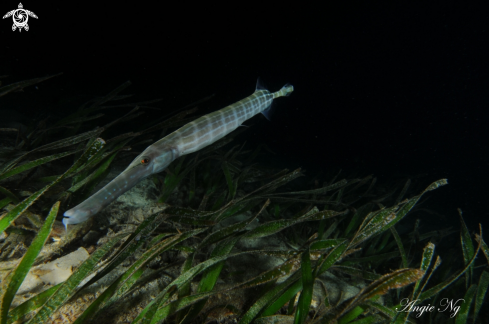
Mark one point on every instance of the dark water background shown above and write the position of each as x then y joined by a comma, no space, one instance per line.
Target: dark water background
394,90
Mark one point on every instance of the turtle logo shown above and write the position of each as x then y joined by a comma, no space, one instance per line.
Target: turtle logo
20,17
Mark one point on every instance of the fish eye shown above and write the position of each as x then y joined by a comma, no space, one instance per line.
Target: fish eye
144,161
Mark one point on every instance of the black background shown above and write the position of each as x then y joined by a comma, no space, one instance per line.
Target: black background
390,89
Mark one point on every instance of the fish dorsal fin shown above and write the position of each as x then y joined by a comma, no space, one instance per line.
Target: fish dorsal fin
260,85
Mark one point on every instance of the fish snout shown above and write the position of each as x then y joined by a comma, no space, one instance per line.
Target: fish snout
75,216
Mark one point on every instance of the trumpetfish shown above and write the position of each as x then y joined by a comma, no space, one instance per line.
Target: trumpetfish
187,139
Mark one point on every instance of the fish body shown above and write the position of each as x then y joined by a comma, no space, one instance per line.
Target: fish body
187,139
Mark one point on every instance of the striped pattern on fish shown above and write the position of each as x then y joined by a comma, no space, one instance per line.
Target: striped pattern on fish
187,139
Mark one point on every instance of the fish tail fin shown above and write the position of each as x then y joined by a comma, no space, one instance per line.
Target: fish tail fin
284,92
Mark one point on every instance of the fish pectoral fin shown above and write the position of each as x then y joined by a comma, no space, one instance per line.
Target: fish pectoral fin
169,172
